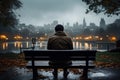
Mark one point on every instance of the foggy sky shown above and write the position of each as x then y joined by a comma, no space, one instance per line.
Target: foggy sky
40,12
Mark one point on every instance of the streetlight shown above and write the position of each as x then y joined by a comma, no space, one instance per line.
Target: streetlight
33,42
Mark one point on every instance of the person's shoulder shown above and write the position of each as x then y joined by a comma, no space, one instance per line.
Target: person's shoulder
67,37
52,37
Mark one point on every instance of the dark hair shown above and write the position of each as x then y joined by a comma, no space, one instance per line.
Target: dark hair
59,27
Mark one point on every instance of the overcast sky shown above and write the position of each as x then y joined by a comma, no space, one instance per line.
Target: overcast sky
40,12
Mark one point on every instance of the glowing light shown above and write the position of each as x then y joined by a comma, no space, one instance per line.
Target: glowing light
41,44
96,36
90,37
86,46
27,44
17,37
80,45
90,46
3,37
77,38
18,44
113,38
86,38
43,38
77,45
101,39
74,44
4,45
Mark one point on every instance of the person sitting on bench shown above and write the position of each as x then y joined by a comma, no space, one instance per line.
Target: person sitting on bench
60,41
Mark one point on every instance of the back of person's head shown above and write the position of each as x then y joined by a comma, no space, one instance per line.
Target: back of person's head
59,27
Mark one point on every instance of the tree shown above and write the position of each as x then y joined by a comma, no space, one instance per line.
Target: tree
7,12
100,32
87,32
109,7
114,28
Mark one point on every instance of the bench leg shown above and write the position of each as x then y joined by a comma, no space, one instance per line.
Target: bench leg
85,73
35,74
55,73
65,73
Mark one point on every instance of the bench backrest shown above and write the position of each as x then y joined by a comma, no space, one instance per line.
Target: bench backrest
60,54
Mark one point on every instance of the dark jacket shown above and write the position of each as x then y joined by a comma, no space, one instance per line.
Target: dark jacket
59,41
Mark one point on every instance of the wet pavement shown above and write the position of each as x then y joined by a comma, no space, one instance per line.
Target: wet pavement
94,74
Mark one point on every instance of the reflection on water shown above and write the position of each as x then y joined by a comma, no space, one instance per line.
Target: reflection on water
99,74
16,45
86,46
4,45
27,44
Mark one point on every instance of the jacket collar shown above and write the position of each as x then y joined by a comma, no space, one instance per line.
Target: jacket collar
60,33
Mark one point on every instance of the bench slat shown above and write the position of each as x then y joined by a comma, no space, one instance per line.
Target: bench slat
73,54
47,58
60,52
75,64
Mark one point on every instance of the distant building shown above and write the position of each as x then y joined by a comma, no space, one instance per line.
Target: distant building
68,24
102,23
55,22
92,26
84,24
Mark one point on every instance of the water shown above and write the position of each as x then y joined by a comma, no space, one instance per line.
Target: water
15,46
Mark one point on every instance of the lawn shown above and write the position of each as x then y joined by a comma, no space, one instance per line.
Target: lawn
108,56
108,59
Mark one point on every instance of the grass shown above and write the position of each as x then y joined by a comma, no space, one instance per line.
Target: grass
113,57
11,59
108,59
9,55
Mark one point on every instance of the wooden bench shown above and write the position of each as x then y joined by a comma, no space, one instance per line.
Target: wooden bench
74,55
